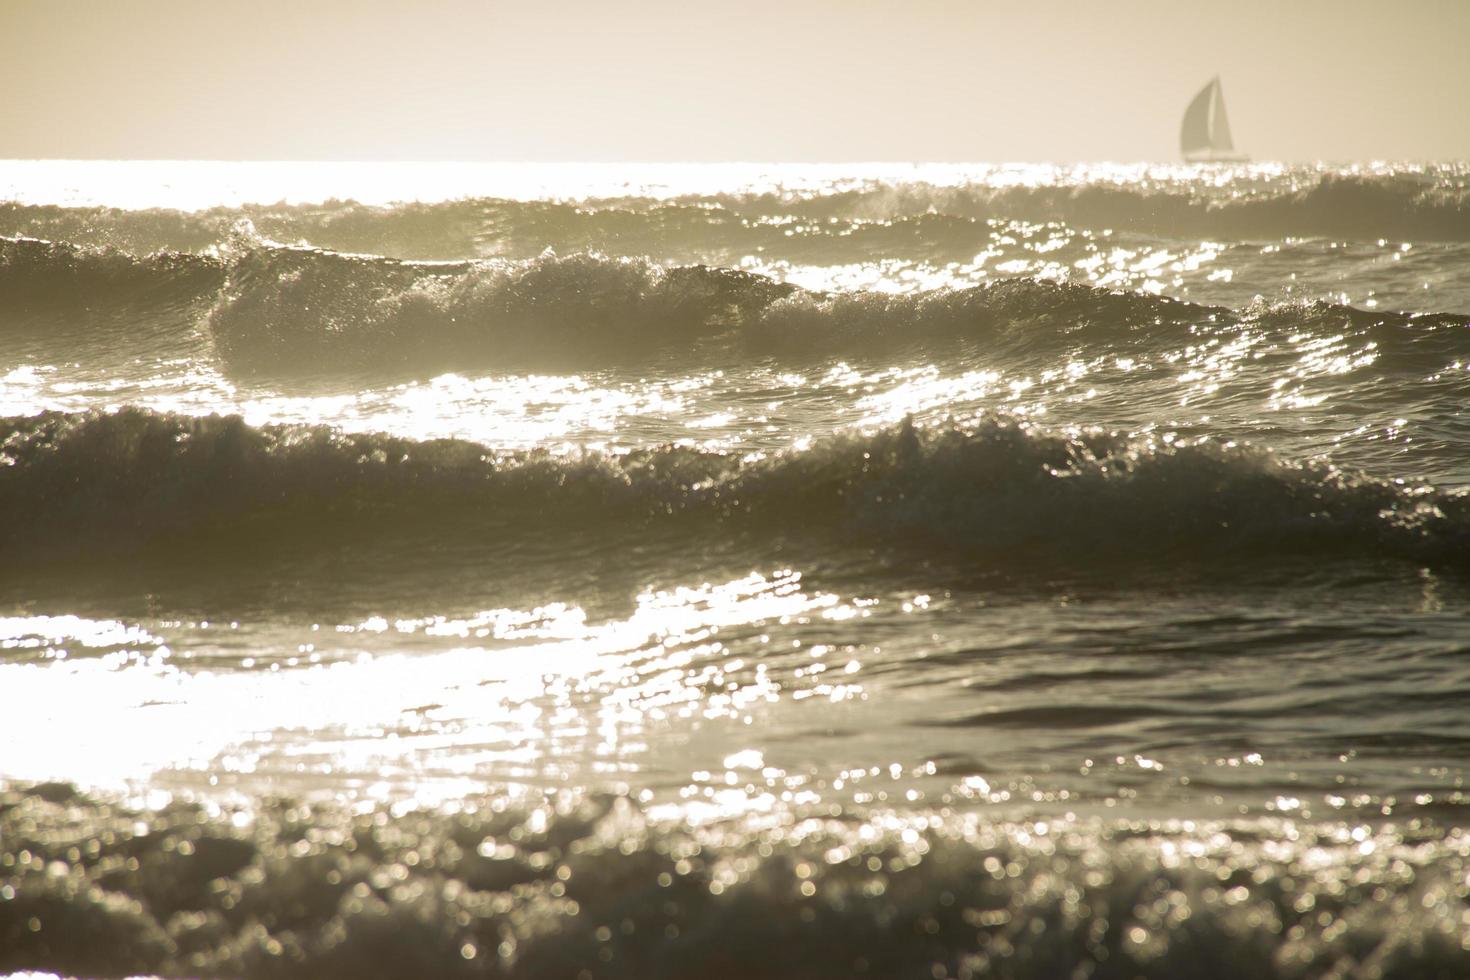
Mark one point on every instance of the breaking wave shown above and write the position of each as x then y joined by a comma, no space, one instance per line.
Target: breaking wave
38,275
997,494
298,311
294,312
593,885
310,311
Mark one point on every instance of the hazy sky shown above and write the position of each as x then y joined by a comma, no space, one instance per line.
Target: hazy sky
796,80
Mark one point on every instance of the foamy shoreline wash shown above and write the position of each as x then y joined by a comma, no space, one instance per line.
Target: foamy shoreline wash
595,886
720,570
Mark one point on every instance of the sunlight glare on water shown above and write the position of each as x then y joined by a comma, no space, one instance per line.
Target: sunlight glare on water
517,696
198,184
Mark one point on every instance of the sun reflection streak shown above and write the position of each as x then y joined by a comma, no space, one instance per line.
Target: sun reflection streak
516,695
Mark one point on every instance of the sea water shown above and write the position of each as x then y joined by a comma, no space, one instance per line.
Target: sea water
734,571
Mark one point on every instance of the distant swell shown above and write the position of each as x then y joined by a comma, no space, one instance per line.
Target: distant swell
889,219
997,495
1362,208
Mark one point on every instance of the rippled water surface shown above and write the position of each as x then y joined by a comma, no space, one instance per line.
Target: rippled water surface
939,571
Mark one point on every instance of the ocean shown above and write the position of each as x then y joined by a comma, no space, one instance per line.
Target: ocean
428,570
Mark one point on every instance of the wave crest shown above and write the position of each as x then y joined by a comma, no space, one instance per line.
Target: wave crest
998,494
313,310
292,312
37,275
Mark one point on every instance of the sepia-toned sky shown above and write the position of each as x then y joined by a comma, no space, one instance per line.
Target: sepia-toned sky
788,80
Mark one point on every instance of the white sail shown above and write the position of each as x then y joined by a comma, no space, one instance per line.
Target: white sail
1194,134
1220,123
1204,136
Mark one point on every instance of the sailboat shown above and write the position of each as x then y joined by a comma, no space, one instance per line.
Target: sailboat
1204,137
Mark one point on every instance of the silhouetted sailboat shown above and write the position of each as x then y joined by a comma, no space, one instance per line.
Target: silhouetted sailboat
1204,137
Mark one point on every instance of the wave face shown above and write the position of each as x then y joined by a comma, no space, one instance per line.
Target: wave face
37,275
288,312
285,311
1001,494
301,310
594,886
275,311
320,311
